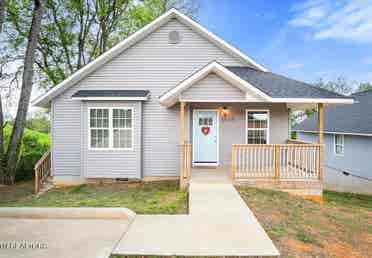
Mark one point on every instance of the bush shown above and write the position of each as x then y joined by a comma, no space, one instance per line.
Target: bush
34,145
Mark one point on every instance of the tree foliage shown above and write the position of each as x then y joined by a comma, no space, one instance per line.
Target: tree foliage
340,85
75,32
364,86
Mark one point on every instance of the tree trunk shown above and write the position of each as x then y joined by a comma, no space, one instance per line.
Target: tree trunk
2,169
2,14
24,100
2,176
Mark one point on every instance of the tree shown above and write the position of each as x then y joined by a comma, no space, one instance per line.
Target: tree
75,32
340,86
10,158
364,86
2,14
39,122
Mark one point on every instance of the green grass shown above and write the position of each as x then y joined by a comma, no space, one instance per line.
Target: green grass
341,227
143,198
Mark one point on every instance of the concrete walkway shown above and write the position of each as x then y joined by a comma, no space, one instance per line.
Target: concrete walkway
61,232
219,224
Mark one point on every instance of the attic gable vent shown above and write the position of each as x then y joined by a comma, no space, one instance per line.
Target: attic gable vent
174,37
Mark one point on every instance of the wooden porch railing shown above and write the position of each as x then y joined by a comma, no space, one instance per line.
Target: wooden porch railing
185,161
42,170
276,161
296,142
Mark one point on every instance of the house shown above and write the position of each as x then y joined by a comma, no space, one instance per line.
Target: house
347,144
171,97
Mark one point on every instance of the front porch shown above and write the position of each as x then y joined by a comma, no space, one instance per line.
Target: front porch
292,166
238,119
296,175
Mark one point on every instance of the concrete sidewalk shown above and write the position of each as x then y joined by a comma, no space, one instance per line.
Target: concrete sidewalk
219,224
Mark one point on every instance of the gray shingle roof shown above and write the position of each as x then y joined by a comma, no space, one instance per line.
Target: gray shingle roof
353,119
278,86
110,93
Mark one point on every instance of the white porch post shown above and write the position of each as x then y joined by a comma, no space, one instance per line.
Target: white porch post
182,143
320,137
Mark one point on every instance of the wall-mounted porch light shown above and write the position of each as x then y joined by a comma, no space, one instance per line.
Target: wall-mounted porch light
225,113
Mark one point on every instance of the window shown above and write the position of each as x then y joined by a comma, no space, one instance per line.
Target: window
122,126
339,144
99,128
205,121
257,124
111,128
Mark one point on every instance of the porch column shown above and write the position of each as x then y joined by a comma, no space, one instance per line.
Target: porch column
182,142
320,137
182,122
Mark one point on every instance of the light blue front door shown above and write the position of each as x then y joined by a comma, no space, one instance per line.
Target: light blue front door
205,133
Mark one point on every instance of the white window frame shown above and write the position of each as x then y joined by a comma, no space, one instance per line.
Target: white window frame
340,144
111,130
257,129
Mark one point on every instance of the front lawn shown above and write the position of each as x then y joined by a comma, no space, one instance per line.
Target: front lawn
341,227
143,198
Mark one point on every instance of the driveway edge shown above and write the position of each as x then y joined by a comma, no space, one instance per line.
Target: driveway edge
66,213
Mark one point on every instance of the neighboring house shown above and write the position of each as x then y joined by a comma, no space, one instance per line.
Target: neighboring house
126,114
348,144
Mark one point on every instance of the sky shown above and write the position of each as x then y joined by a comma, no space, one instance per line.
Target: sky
305,40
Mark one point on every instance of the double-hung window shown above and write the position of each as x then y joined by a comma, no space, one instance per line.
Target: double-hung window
339,144
257,126
122,128
111,128
99,128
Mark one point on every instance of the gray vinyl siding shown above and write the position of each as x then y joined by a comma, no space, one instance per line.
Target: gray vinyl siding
356,160
66,137
213,88
112,163
152,64
233,130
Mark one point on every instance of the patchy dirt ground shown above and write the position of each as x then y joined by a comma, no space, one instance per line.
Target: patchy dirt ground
341,227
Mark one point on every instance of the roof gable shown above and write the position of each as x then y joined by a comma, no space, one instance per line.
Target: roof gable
214,88
44,99
251,93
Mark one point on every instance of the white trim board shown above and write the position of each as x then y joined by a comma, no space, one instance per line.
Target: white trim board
110,98
44,99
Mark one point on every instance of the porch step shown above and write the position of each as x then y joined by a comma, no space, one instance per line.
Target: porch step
46,185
